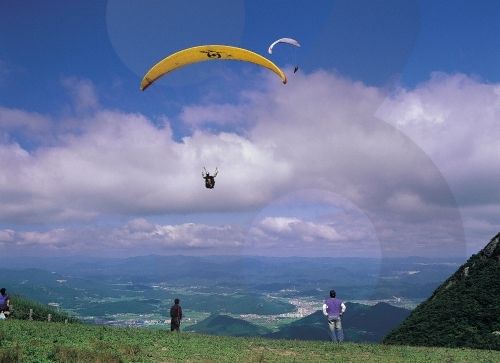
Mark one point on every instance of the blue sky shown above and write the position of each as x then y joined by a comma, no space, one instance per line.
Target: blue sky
384,143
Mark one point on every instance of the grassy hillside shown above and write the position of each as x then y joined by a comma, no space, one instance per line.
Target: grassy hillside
229,326
463,312
33,341
22,306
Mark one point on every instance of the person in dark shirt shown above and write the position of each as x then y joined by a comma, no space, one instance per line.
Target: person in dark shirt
209,179
175,316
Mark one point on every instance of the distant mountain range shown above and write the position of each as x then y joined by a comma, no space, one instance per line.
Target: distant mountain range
464,311
357,278
362,323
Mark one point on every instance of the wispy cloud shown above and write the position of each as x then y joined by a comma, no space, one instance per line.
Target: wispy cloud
83,93
30,124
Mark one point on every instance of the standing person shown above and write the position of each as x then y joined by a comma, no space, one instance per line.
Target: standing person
176,316
4,302
333,309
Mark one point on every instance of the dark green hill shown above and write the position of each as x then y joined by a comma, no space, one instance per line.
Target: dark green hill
361,323
226,325
373,324
464,311
312,327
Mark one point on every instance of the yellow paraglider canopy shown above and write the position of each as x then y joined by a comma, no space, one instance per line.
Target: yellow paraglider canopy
204,53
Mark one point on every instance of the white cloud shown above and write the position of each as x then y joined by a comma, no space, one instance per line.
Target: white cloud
137,235
458,127
285,228
83,93
455,120
224,114
318,131
6,236
29,123
122,164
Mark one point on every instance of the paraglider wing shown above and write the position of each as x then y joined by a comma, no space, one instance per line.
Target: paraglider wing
283,40
204,53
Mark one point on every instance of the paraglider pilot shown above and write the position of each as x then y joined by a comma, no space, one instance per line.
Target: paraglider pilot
209,179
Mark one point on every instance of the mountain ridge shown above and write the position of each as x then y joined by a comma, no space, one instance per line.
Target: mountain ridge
464,311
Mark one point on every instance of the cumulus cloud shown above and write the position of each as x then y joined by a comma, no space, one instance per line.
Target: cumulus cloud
454,119
122,164
269,236
145,235
318,131
312,222
138,235
286,228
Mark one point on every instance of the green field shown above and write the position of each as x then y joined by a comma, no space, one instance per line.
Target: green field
33,341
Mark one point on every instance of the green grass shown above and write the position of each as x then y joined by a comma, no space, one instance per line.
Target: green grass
22,306
36,341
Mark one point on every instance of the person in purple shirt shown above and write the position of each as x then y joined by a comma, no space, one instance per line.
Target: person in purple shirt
4,302
333,309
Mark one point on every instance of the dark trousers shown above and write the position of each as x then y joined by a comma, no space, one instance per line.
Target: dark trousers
175,324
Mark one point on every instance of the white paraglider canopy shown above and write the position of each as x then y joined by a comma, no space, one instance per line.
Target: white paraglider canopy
283,40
